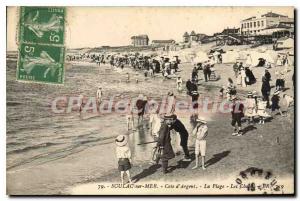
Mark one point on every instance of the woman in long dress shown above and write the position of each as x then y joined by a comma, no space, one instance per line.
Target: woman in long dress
243,77
249,61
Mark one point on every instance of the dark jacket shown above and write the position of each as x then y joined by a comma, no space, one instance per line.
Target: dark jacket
188,85
164,140
268,76
237,110
275,102
180,128
141,104
194,87
265,88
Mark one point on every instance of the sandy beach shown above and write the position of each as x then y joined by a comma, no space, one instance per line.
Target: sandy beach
51,154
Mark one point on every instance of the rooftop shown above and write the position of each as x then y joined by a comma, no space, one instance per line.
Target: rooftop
185,34
269,14
163,41
140,37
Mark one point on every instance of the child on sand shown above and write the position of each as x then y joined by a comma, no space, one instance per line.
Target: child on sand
155,123
200,132
124,156
127,77
275,103
179,84
250,111
261,110
130,120
99,96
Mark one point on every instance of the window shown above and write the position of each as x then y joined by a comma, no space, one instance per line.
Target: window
247,25
254,24
258,24
242,25
262,23
250,24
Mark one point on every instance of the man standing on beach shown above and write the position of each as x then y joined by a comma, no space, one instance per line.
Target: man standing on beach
164,143
206,71
265,90
179,127
236,69
188,86
99,96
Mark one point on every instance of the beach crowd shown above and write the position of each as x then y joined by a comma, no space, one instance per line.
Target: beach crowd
253,107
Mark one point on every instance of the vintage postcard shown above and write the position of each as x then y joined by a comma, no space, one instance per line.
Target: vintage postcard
150,101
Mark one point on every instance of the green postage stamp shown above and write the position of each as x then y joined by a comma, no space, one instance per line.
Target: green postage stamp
41,63
44,25
41,45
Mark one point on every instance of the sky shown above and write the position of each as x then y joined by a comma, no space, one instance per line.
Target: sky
113,26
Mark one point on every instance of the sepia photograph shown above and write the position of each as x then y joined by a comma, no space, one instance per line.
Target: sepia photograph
150,100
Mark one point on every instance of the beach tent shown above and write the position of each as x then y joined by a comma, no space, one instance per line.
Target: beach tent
200,57
254,57
230,56
284,43
271,56
185,55
243,54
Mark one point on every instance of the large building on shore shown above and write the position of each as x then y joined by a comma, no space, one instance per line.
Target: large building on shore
163,42
193,37
140,40
258,25
165,45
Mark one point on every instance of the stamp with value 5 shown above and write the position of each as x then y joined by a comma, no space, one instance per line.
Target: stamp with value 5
41,63
44,25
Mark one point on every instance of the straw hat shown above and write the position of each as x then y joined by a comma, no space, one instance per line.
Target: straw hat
141,96
254,93
121,140
170,93
170,117
201,119
250,93
99,87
